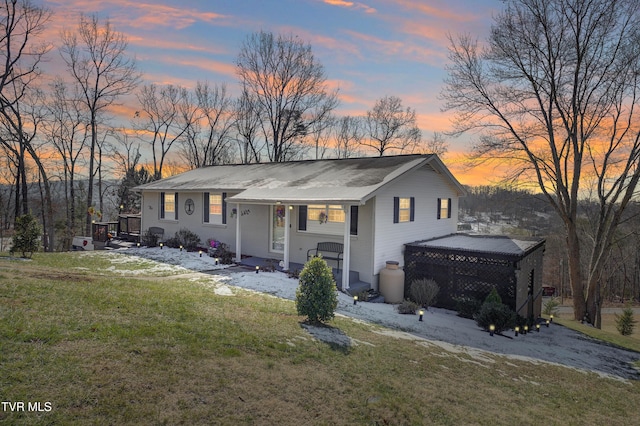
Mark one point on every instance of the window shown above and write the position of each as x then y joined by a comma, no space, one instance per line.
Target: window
403,209
214,208
444,208
215,204
336,214
333,219
325,213
168,205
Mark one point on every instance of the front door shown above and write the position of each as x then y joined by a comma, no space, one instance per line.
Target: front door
277,229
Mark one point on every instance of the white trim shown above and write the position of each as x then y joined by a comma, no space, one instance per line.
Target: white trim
346,255
238,236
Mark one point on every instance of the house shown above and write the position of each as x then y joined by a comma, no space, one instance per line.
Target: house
370,207
469,266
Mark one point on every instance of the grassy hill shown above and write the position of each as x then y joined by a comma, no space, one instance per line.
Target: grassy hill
157,348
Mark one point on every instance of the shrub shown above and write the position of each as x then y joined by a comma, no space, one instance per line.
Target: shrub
316,294
185,238
424,292
25,236
625,322
493,297
501,316
551,306
407,307
224,255
467,307
150,239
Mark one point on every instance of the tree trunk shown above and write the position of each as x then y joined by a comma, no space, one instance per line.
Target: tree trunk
575,273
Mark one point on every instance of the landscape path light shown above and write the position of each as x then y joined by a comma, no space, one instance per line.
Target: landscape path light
200,253
421,314
492,329
526,329
538,328
517,330
257,269
551,318
161,245
355,299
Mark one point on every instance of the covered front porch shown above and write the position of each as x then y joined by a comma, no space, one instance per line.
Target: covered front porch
266,264
298,231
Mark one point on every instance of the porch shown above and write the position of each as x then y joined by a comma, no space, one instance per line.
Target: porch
355,285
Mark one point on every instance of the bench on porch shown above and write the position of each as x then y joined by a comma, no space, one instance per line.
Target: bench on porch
328,251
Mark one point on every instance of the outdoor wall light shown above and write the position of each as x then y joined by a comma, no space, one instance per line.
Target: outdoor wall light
355,299
492,329
538,328
517,330
161,245
421,314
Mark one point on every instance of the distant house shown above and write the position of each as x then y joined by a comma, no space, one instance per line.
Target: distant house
370,207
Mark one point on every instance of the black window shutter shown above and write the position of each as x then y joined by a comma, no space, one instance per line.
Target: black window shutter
396,209
439,206
162,205
302,218
175,206
205,203
224,208
412,209
449,211
354,220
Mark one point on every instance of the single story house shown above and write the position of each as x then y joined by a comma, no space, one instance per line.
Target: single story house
369,207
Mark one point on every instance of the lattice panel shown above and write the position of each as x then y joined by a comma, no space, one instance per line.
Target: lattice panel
461,275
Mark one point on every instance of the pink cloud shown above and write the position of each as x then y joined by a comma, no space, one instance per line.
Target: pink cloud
350,5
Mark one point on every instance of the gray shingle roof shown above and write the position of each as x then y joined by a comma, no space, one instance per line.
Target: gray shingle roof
336,180
498,244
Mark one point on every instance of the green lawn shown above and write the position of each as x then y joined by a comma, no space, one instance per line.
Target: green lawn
112,349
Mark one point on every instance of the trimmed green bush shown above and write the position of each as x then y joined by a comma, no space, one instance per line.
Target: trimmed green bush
26,235
625,322
467,307
424,292
493,297
551,306
493,312
501,316
316,296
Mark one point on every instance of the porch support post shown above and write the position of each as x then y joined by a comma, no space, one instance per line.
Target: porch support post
346,261
287,222
238,235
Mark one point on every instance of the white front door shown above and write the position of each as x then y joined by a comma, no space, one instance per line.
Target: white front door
277,228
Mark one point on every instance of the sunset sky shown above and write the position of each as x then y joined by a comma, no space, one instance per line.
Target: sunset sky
369,49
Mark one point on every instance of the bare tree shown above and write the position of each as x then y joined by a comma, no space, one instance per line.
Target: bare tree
208,140
288,86
348,134
165,116
21,23
437,145
554,94
95,55
390,127
246,124
66,127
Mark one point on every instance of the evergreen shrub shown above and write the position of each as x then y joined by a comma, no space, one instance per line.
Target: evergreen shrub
316,295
